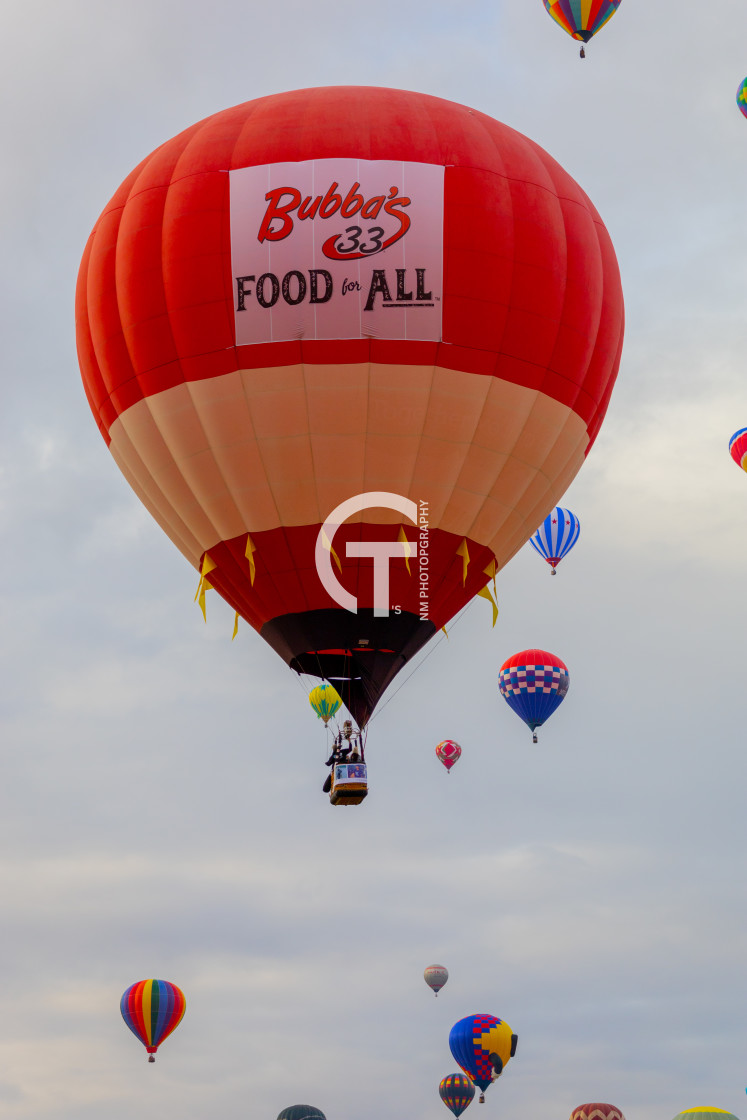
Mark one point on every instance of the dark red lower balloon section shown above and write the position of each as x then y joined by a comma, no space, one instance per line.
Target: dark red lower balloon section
357,652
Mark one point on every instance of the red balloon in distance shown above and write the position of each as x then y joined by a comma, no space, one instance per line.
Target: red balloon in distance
448,753
342,291
596,1111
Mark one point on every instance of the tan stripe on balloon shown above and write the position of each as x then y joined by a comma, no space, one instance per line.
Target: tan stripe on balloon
257,449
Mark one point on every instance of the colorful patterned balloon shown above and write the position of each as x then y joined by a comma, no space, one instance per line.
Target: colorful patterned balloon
556,536
152,1009
448,753
738,448
533,683
325,700
435,977
582,18
482,1045
597,1111
457,1092
742,97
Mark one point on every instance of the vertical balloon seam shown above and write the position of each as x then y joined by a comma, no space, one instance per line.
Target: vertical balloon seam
599,307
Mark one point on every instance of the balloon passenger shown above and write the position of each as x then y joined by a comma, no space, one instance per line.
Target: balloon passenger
347,747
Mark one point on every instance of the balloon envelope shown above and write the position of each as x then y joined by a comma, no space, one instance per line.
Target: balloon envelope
556,535
705,1112
152,1009
596,1111
436,976
738,448
580,18
742,97
448,753
325,700
301,1112
457,1092
298,302
472,1041
533,683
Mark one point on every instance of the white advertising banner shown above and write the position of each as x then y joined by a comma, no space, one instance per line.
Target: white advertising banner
337,248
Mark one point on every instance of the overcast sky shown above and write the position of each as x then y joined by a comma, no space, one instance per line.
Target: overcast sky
161,812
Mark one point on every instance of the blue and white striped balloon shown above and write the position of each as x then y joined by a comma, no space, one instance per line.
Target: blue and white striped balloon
556,536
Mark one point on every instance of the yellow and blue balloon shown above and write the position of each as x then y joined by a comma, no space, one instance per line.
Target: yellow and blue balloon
325,700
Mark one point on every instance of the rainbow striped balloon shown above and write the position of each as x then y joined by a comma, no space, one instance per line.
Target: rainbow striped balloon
738,448
742,97
152,1009
582,18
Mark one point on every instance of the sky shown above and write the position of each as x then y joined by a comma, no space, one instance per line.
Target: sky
160,804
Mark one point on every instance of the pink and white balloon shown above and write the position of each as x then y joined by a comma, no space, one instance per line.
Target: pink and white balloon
435,977
448,753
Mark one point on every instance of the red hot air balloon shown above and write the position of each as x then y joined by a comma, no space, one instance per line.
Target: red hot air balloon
448,753
738,448
345,322
596,1112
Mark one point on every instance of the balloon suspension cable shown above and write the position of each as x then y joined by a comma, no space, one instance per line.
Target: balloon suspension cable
336,732
419,665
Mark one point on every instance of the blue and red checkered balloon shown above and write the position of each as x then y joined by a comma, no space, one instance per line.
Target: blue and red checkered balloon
533,683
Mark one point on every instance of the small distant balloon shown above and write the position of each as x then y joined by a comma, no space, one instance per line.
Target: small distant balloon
556,536
534,683
448,753
705,1112
582,20
435,977
738,448
596,1111
152,1009
301,1112
457,1092
325,700
742,97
